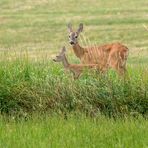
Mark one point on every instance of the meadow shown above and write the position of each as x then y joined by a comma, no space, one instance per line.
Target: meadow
76,131
43,106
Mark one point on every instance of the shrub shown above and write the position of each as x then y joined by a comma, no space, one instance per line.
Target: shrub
28,86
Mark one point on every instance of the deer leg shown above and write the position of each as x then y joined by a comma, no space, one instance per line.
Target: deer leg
103,68
116,63
121,71
122,64
122,67
76,75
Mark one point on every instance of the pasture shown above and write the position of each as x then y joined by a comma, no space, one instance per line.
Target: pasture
41,105
76,131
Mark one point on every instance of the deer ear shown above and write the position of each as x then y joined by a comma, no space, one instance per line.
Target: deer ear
64,48
69,27
80,29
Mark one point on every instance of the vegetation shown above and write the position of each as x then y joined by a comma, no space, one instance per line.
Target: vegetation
41,105
27,86
33,32
76,131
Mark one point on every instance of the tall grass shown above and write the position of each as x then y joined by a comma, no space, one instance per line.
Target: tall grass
28,86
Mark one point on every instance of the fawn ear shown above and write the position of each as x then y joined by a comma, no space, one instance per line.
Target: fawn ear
63,50
80,29
69,27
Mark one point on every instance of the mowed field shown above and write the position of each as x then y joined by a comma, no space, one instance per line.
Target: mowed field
41,27
41,106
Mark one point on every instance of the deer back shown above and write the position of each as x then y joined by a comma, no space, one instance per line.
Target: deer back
105,55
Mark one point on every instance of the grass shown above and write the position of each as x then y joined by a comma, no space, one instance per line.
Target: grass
109,111
75,131
41,25
27,87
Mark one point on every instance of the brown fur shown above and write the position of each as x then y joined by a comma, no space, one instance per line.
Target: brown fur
106,56
76,69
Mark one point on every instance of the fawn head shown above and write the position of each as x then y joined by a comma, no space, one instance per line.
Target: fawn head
73,36
61,55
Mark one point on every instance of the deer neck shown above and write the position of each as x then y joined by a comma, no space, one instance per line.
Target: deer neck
78,50
65,62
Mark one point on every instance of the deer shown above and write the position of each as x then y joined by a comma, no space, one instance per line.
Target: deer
113,55
76,69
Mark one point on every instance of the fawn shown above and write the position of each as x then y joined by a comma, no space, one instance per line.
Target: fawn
76,69
106,56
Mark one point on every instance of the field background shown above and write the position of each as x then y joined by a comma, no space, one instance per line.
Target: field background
41,106
41,27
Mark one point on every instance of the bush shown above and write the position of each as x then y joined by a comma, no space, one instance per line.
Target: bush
27,87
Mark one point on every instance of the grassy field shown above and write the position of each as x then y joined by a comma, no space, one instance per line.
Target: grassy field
31,34
76,131
40,27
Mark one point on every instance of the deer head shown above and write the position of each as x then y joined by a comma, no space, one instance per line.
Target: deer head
73,36
61,55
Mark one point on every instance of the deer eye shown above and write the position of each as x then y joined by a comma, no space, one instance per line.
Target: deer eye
76,36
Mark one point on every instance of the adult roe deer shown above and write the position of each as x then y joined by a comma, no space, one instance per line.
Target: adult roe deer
107,56
76,69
